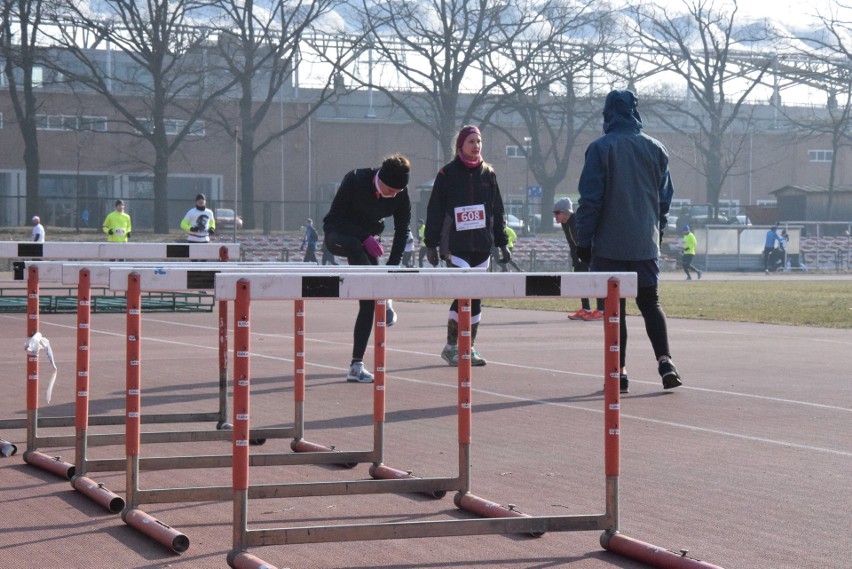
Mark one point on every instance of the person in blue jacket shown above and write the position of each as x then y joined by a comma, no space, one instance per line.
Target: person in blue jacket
625,194
772,239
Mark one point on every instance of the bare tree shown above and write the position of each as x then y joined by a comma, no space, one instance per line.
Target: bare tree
699,46
437,50
545,86
166,86
19,40
259,43
826,63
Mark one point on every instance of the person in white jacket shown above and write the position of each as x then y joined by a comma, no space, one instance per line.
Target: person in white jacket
199,223
38,230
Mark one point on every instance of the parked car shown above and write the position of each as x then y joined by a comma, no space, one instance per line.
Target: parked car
739,220
225,218
515,223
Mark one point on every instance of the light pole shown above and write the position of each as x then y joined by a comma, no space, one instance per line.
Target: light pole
527,140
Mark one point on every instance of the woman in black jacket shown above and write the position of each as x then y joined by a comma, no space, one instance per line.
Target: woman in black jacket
465,219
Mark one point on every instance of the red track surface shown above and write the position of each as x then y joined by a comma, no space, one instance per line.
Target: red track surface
746,466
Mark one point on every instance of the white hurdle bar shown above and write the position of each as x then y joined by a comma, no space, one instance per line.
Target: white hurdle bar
131,251
245,288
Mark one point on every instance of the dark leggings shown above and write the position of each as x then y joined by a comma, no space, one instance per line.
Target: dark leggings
648,301
469,259
353,250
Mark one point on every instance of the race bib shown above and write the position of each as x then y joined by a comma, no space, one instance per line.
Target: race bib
470,217
119,231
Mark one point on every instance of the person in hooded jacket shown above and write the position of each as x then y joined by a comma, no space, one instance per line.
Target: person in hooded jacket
625,193
465,220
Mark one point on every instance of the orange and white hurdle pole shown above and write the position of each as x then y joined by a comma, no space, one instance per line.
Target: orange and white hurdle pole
239,557
96,492
463,498
611,539
379,469
299,444
223,355
612,398
133,516
53,464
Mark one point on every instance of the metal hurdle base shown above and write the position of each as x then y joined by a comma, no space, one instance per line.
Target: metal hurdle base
7,448
52,464
245,560
156,530
385,472
650,554
98,493
489,509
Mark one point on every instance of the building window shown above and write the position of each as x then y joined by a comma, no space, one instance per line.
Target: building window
71,123
174,126
515,151
820,155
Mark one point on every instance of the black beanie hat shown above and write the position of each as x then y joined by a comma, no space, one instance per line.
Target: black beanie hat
200,197
396,177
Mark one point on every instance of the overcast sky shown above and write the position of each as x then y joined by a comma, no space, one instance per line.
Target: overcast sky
788,11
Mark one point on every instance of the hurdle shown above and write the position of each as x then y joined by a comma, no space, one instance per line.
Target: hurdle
86,250
82,275
256,287
133,280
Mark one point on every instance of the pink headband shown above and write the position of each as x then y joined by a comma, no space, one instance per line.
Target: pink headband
464,133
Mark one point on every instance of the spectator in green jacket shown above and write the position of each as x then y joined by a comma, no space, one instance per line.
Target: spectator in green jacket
689,243
117,224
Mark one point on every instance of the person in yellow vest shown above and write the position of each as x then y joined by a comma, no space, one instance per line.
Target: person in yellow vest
689,243
117,224
511,236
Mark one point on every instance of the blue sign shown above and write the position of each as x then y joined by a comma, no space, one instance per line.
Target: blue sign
534,191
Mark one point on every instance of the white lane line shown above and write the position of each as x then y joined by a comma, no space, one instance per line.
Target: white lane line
539,401
591,375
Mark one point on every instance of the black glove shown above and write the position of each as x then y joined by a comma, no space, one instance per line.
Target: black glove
211,231
432,256
505,256
127,236
584,254
111,231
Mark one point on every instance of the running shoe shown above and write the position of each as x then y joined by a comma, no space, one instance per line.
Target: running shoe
359,374
450,353
668,372
475,359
